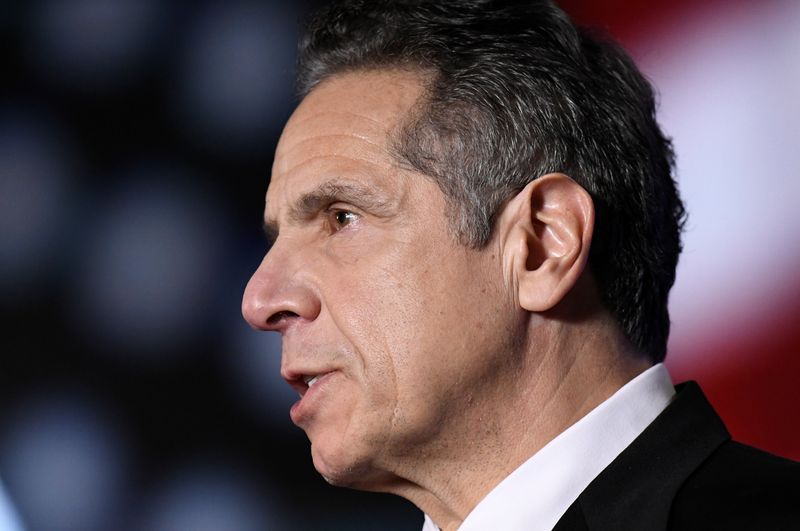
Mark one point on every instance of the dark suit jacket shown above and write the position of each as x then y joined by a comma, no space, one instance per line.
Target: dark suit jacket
685,473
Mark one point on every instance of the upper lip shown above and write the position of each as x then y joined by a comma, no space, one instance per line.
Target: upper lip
298,378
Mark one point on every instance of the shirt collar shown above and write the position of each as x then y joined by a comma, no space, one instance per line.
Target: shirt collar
536,495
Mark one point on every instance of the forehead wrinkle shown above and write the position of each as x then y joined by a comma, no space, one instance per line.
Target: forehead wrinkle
287,172
354,116
317,151
334,136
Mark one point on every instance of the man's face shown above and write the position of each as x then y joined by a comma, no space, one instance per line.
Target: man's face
397,323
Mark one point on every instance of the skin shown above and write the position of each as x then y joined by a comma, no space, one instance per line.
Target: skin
441,368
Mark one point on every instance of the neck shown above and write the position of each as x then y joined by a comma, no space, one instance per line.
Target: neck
532,400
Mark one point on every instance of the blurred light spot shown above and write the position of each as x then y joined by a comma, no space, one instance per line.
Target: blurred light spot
35,178
252,358
64,464
210,498
151,263
235,82
9,517
93,43
254,363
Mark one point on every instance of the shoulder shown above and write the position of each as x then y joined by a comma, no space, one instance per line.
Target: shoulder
739,487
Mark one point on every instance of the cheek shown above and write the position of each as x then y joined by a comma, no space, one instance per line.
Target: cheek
403,333
378,313
414,324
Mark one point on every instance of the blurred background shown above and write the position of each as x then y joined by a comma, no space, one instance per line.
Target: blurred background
136,139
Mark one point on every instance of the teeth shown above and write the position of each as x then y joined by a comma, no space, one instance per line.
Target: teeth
310,380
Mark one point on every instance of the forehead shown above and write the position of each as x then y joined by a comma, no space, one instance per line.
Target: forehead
370,97
342,127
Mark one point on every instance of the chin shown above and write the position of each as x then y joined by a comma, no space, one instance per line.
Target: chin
347,466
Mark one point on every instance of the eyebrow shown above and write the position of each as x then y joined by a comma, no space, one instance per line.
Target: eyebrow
335,190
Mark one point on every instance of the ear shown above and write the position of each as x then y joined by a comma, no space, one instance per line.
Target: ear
548,231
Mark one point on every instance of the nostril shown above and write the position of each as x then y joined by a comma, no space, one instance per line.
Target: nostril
276,318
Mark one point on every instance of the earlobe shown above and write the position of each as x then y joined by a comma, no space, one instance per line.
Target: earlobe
550,234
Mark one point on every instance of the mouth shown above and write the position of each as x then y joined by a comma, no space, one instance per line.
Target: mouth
311,387
303,382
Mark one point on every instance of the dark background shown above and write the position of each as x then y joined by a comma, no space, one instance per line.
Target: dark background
136,139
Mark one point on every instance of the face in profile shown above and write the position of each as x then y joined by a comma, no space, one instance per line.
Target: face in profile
390,327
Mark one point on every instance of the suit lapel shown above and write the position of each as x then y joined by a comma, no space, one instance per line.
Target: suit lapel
636,490
572,520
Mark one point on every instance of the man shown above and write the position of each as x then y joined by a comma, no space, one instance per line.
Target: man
475,229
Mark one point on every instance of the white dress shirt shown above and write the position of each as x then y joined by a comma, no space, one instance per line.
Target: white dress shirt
538,493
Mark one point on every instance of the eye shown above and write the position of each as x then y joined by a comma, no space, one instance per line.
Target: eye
342,218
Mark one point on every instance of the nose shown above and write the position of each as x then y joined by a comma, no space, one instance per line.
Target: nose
279,295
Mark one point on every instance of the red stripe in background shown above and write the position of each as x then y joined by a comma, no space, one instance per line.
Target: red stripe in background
754,383
631,21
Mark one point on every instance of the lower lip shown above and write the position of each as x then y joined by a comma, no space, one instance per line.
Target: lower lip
303,408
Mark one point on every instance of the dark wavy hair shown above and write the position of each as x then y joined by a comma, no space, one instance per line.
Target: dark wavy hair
516,91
